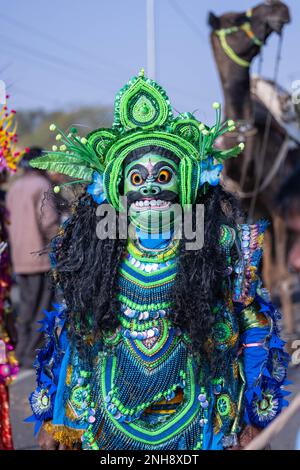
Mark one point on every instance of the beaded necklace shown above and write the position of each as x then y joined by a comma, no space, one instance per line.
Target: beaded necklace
152,256
146,281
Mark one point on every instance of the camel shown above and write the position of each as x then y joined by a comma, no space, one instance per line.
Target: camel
236,39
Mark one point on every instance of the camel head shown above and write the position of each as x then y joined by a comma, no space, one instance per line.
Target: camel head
267,17
236,39
275,13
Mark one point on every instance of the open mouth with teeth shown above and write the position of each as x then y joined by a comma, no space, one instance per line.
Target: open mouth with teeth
147,204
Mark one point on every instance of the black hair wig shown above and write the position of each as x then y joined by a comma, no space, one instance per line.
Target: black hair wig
202,277
87,272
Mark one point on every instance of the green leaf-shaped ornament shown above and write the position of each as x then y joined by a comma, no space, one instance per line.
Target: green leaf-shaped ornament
65,165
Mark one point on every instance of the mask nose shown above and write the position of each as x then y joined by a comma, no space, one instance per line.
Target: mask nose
150,190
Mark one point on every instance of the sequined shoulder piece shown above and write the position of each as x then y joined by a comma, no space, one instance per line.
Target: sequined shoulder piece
227,237
250,239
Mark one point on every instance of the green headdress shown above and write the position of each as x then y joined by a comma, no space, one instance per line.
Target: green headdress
143,116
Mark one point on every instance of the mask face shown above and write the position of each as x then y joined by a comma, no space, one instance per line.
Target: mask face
151,186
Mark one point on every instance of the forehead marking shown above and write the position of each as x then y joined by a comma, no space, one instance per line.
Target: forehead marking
149,166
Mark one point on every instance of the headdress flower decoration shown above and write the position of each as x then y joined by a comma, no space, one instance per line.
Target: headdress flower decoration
9,155
143,116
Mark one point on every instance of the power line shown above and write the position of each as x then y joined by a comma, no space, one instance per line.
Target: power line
32,96
45,55
50,59
5,67
56,40
181,13
25,92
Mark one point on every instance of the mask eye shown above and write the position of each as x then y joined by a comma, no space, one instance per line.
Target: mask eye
136,179
164,176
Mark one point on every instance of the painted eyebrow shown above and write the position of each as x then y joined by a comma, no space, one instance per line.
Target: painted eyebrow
140,168
160,165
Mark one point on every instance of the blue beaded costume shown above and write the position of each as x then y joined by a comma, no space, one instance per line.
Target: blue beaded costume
142,386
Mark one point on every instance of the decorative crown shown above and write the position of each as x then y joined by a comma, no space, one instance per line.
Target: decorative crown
143,116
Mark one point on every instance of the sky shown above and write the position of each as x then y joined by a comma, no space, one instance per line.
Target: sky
62,54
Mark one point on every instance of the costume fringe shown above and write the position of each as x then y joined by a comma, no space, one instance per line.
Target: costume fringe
114,439
64,435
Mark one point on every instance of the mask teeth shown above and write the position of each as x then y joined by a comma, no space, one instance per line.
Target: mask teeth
152,203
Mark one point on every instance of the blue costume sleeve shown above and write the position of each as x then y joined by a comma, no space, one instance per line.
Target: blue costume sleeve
264,359
48,366
265,365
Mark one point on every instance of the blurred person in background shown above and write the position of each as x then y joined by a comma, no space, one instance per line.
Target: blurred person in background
34,221
289,204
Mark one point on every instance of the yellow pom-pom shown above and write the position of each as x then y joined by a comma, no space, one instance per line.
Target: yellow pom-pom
54,148
242,145
56,189
52,127
142,72
201,126
230,123
83,140
62,148
216,105
232,128
58,137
